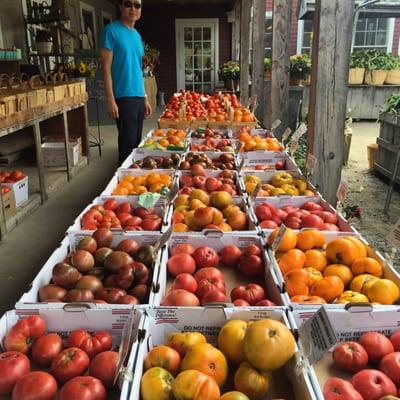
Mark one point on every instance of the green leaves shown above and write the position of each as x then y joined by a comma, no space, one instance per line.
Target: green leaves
229,70
392,104
374,60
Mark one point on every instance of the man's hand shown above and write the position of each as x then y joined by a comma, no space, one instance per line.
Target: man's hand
147,109
112,109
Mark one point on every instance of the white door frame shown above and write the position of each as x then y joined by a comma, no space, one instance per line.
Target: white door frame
194,21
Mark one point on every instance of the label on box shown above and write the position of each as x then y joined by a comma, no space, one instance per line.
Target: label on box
286,135
342,190
278,238
317,336
394,235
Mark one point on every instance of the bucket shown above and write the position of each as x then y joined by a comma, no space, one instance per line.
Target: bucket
393,77
375,77
356,76
372,149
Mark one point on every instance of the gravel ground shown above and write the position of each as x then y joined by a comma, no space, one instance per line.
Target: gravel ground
368,191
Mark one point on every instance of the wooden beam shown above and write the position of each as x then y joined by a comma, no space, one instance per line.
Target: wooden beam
280,65
244,50
333,20
39,161
257,79
236,35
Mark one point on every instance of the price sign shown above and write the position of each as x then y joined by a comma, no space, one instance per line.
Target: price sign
394,235
342,190
299,132
148,200
275,125
286,135
311,163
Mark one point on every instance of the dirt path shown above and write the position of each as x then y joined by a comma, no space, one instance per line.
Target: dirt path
369,192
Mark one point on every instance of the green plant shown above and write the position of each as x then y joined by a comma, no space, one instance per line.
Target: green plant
300,66
267,64
151,56
377,60
358,60
78,70
392,105
229,70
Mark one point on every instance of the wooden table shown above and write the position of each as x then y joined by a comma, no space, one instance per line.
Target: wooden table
68,116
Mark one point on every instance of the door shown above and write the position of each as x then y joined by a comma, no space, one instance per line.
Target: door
197,54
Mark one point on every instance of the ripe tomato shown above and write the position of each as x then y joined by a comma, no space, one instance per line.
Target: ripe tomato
376,345
69,363
206,257
210,285
82,388
37,385
252,293
90,344
350,356
13,366
339,389
21,336
45,348
104,367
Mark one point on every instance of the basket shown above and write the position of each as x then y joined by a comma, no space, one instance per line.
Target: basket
8,99
37,84
393,77
375,77
356,76
58,84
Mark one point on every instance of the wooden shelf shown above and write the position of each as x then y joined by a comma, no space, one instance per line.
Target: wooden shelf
46,20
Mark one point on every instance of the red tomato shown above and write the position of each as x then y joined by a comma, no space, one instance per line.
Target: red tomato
21,336
69,363
390,366
17,175
230,256
45,348
13,366
90,344
82,388
210,285
376,345
252,293
339,389
350,356
183,248
37,385
208,273
206,257
104,367
373,384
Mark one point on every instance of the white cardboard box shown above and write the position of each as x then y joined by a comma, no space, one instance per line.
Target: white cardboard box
290,382
20,190
121,324
320,334
54,154
269,158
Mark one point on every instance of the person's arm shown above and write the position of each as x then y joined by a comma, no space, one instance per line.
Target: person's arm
106,62
147,106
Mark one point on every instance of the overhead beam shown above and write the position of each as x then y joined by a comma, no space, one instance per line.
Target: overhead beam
278,106
245,11
333,20
236,33
257,78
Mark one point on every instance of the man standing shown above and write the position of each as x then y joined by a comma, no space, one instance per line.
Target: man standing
121,50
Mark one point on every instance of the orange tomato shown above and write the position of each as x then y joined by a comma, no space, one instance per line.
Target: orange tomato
310,239
165,357
341,271
195,385
329,288
383,291
315,259
367,265
292,259
342,251
308,300
288,240
362,283
183,341
315,275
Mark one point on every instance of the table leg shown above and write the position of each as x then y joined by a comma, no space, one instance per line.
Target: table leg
85,137
66,142
39,161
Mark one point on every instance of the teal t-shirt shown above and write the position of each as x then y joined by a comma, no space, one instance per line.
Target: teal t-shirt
128,51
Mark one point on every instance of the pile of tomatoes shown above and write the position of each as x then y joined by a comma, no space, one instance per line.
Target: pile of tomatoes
11,177
40,365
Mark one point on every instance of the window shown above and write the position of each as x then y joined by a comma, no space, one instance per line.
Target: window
268,34
373,33
307,36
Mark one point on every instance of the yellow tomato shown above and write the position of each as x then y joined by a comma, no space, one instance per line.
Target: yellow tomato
230,340
195,385
251,382
156,384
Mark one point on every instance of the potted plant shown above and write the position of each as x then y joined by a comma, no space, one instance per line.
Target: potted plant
230,74
300,68
357,68
151,58
378,64
44,43
267,69
393,76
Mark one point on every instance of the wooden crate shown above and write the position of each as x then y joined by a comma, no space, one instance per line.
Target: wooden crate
388,145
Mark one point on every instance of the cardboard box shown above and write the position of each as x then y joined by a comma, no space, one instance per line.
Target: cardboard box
320,334
151,132
289,382
233,278
20,191
224,131
73,139
160,208
267,158
122,325
66,246
54,154
298,201
140,154
301,312
8,204
135,172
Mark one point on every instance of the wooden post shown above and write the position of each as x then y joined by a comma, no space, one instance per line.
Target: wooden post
333,20
244,50
280,65
39,161
257,78
3,225
236,35
66,145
